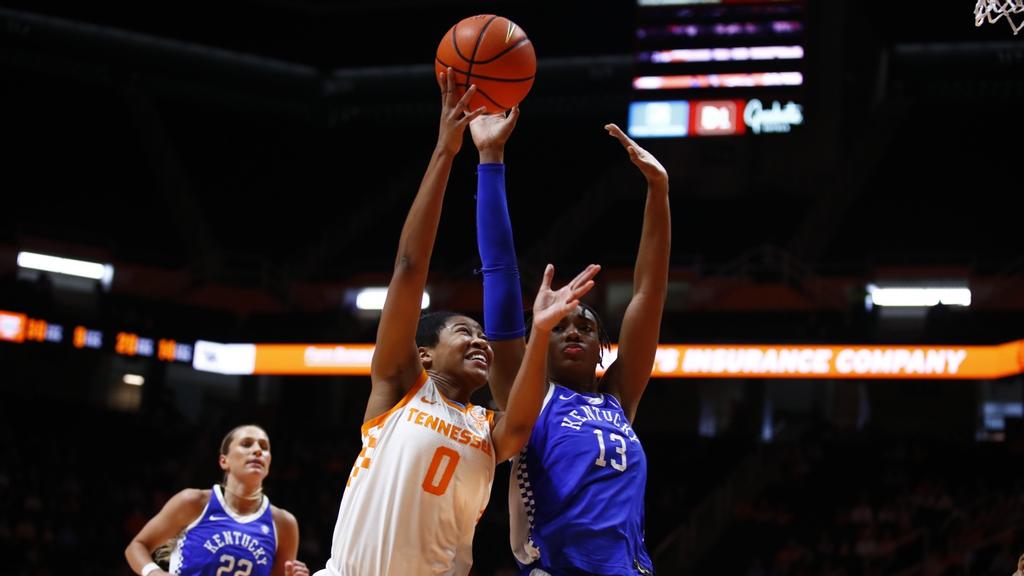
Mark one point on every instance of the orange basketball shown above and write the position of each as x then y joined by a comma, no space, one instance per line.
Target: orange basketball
493,53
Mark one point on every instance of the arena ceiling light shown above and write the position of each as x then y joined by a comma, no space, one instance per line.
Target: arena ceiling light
104,273
373,299
919,296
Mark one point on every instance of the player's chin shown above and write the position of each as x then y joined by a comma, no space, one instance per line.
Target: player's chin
573,369
574,362
477,376
255,472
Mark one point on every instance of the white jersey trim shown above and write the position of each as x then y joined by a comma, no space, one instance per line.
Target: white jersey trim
174,564
521,502
547,397
240,519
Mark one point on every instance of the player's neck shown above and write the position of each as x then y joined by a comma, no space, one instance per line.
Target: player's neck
242,500
450,389
577,385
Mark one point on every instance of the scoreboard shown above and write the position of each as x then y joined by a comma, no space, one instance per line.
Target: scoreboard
718,68
18,327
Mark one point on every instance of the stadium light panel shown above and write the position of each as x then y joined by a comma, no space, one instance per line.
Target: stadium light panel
373,299
919,296
104,273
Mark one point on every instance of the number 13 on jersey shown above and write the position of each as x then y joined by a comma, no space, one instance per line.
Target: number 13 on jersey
621,449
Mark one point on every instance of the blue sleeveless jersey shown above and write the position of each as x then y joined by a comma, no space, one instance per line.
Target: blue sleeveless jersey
577,490
221,542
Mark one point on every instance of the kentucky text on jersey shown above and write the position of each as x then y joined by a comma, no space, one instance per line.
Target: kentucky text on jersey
235,538
444,428
575,420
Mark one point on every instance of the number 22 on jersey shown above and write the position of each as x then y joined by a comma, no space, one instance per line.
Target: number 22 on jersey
228,566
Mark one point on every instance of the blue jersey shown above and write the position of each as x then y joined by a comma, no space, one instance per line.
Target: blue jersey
222,542
576,496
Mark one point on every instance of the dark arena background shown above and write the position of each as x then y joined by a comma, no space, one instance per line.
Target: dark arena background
244,168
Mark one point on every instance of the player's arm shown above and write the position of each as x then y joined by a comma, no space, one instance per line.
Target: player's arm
512,429
503,299
180,511
395,366
627,377
287,527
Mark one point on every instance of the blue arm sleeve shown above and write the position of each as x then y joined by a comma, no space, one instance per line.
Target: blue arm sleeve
503,299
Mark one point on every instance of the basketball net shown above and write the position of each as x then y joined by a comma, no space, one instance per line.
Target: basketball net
993,10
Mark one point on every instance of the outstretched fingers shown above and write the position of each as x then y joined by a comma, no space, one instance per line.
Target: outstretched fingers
446,82
619,135
470,116
449,95
636,153
581,290
583,282
442,80
551,306
463,102
461,115
588,273
513,116
642,159
634,149
549,275
577,288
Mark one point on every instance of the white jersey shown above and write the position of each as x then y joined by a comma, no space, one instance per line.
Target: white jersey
416,490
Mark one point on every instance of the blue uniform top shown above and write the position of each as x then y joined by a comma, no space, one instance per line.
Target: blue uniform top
576,497
220,542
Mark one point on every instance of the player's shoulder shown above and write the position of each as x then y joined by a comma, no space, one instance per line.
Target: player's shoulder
483,417
613,399
188,504
194,497
609,387
285,522
282,516
480,412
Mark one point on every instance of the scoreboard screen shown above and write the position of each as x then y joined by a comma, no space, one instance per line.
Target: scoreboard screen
17,327
718,68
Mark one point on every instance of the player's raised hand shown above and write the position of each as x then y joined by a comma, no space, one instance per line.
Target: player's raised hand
551,306
644,160
491,131
454,114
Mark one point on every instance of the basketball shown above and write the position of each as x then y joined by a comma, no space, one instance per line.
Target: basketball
493,53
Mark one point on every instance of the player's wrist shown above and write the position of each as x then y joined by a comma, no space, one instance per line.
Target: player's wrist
540,332
445,151
492,155
658,183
